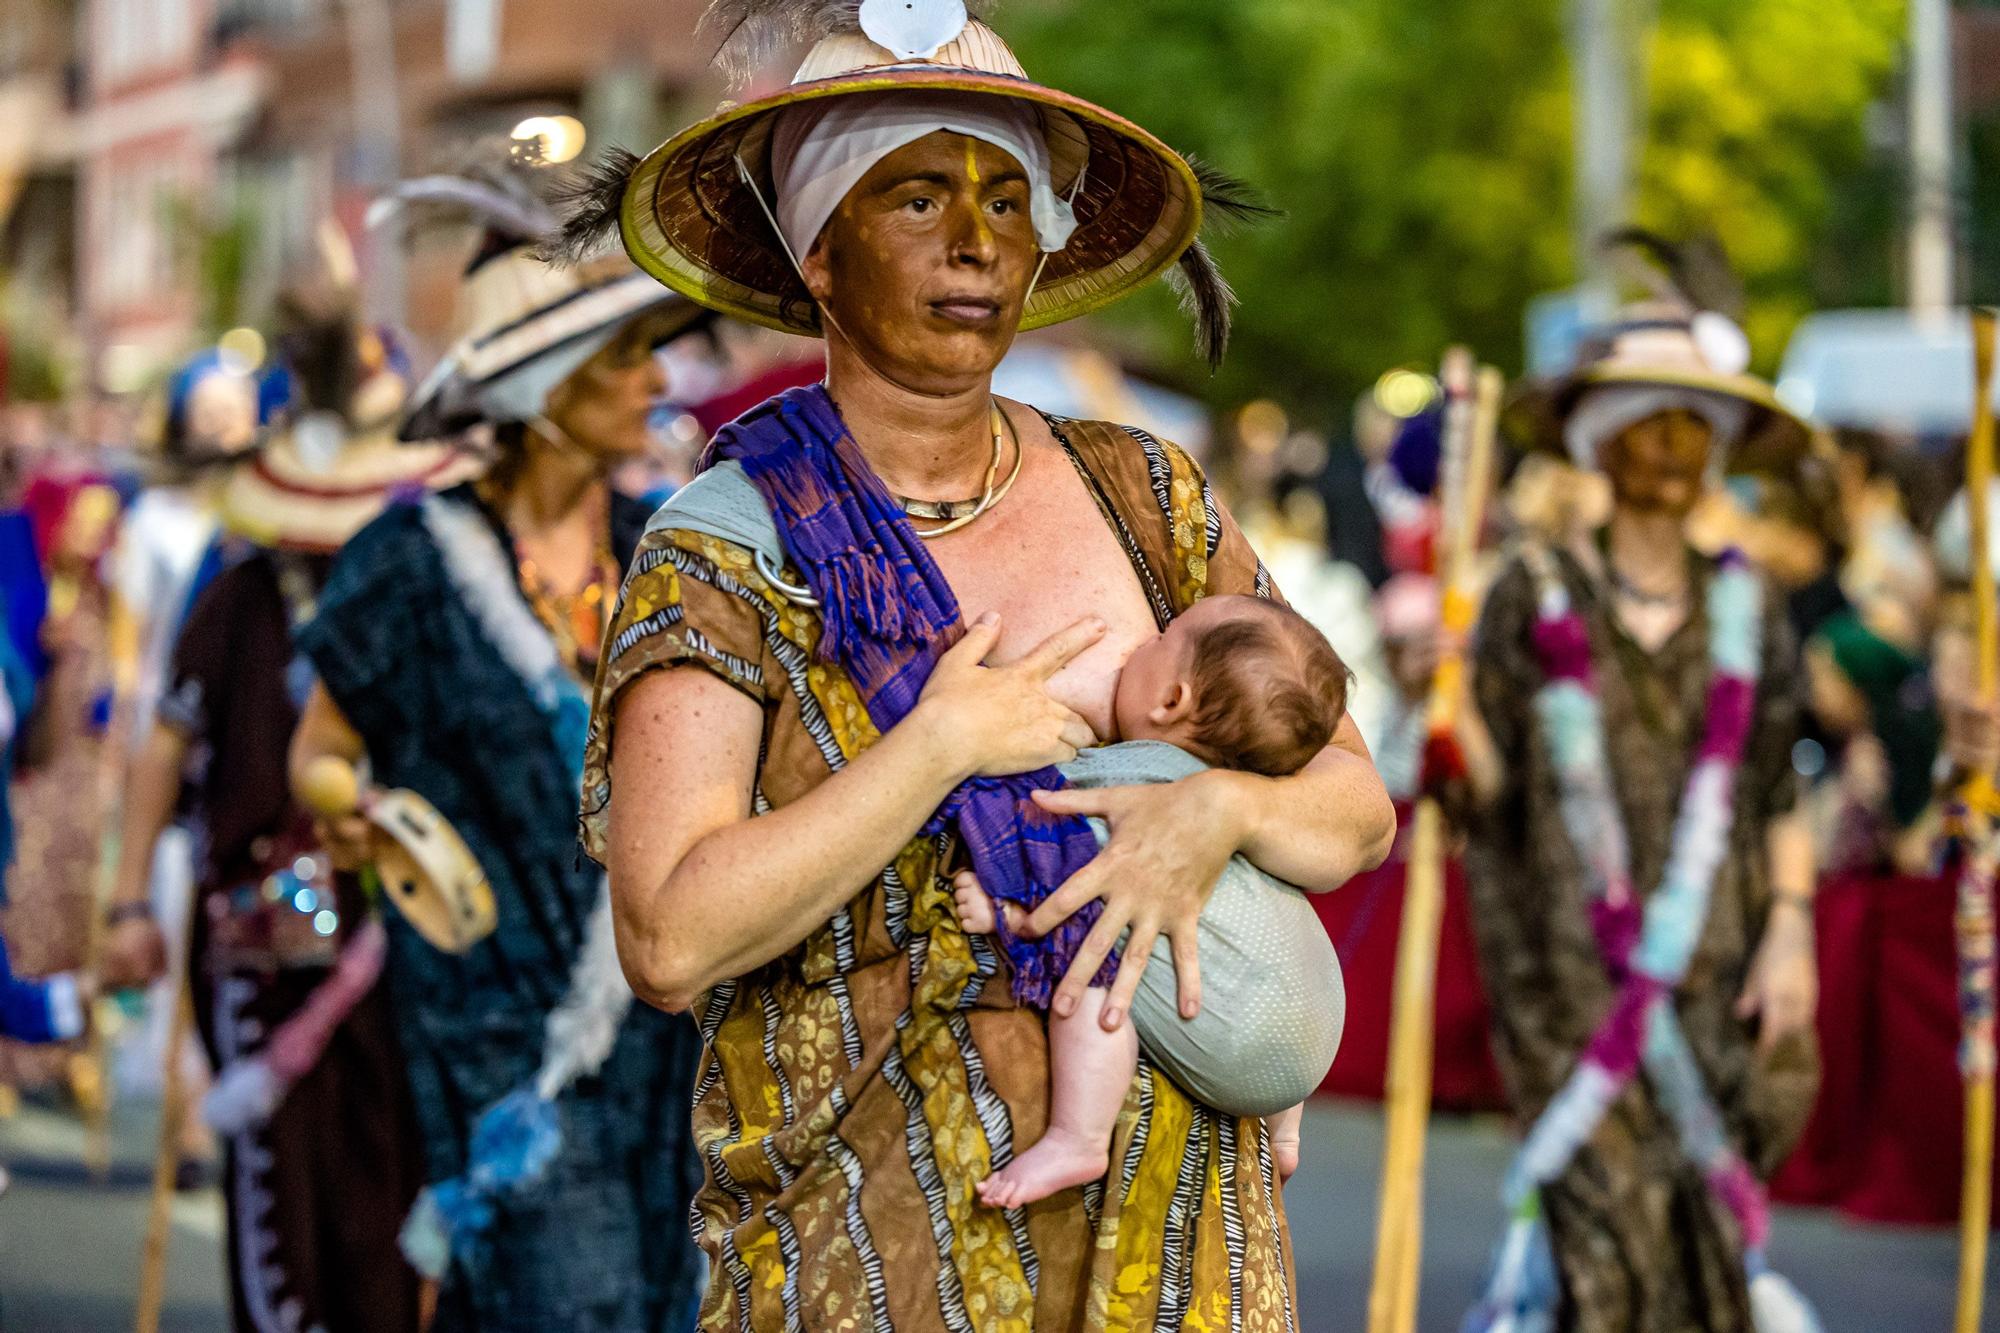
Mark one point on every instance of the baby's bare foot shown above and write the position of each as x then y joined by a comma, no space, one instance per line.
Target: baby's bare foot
975,909
1060,1161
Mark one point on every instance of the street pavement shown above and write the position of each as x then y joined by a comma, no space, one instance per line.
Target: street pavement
69,1248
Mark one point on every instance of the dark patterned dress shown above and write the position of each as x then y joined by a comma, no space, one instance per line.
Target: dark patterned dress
853,1092
601,1243
315,1195
1640,1244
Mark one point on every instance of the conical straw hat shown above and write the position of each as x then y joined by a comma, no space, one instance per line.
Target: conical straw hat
688,215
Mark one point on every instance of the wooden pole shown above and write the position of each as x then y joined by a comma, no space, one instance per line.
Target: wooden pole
1974,926
1472,415
166,1157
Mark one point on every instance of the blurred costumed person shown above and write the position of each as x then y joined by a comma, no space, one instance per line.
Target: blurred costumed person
796,671
453,643
64,782
321,1169
1641,882
213,413
51,1008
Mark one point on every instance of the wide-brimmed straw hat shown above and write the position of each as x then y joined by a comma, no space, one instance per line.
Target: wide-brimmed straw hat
321,479
523,324
1682,342
690,211
530,325
1655,346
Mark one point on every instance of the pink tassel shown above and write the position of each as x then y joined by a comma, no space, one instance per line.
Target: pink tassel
302,1039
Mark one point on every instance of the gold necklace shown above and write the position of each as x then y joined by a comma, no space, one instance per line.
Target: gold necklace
963,512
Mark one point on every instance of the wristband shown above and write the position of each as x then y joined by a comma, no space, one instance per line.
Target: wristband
1792,898
119,913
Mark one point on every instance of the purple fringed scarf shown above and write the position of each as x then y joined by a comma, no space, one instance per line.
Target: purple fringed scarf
887,614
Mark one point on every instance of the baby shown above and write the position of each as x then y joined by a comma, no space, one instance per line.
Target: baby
1238,683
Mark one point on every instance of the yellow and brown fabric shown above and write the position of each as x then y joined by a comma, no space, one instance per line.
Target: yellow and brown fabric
853,1092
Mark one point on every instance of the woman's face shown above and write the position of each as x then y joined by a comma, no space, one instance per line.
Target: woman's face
1659,465
605,404
925,266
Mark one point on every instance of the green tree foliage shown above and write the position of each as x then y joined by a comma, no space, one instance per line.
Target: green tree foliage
1758,116
1422,154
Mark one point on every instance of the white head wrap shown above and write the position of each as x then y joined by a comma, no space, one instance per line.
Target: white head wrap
821,149
1603,412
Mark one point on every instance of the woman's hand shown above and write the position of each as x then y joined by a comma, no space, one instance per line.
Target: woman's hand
1169,843
1783,986
994,721
134,954
351,841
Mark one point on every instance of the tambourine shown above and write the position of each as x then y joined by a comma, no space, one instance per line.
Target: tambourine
426,869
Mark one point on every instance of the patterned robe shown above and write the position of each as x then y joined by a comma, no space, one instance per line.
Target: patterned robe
853,1092
1641,1245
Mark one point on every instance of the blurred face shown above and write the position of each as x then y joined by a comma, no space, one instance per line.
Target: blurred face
604,405
222,413
925,266
1659,465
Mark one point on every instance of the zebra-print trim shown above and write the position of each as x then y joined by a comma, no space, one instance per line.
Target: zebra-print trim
1270,1177
843,1156
1211,518
857,1229
1182,1209
1263,584
1235,1239
923,1164
896,905
987,964
791,658
998,1124
788,1251
1136,1149
639,630
732,1259
773,1017
736,666
1159,468
720,996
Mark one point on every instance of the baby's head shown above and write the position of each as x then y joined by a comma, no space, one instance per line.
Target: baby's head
1240,683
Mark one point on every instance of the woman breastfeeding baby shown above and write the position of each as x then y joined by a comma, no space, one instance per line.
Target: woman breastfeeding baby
1237,683
822,698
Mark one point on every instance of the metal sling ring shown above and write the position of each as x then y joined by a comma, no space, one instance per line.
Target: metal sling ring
796,593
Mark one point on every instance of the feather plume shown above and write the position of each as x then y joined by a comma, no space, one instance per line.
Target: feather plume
1207,299
1205,295
586,206
497,185
1227,202
1695,273
751,33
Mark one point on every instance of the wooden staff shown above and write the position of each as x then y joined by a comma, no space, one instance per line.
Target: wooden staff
166,1156
1974,925
1471,417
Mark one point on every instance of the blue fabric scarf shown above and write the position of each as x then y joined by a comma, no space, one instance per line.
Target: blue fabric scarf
887,615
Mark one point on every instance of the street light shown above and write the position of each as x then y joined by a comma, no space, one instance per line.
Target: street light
561,137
